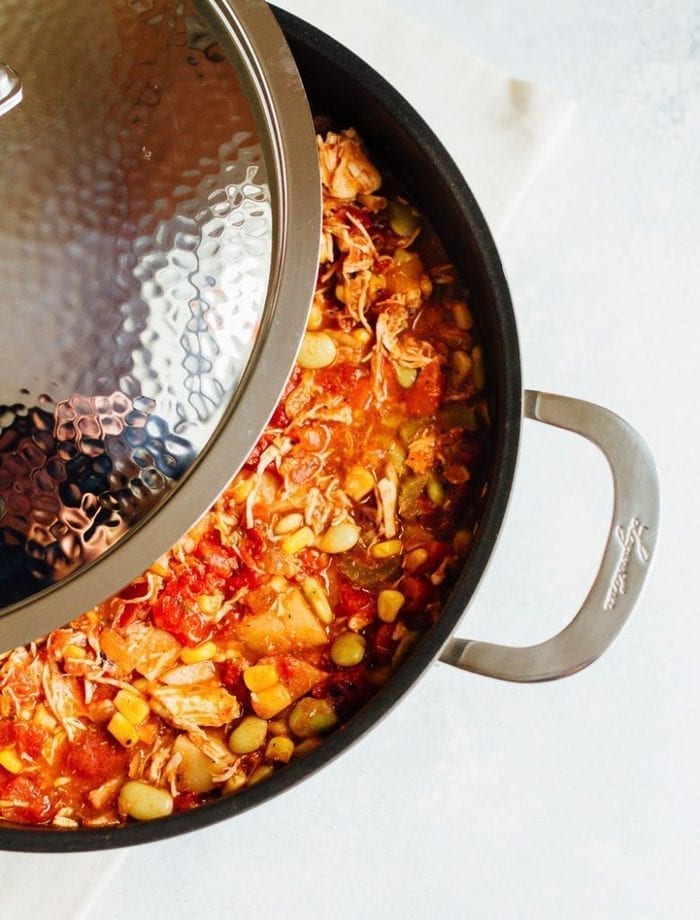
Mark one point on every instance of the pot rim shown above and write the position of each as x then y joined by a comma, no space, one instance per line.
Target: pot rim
508,387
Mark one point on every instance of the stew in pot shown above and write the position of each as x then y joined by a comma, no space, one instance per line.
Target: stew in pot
294,599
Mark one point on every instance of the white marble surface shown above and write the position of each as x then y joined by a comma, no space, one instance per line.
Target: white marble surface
576,799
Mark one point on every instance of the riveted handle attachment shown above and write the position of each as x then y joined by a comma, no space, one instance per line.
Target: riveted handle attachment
625,564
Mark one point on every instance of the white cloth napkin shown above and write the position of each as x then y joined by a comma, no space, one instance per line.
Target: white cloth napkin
499,130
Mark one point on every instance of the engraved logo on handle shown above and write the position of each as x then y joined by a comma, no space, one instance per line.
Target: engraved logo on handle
630,539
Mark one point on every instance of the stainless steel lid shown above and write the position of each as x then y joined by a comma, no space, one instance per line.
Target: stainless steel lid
159,231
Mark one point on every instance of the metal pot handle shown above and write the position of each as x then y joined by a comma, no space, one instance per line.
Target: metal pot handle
625,563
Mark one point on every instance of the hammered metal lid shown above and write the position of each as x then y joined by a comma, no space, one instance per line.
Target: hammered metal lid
159,232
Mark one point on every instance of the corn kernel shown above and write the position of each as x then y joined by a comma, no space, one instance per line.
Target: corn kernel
318,599
74,651
144,802
261,772
248,735
339,538
310,717
406,376
348,650
462,316
389,603
415,559
267,703
122,729
242,489
386,549
317,350
289,523
297,541
132,706
277,727
160,566
204,652
359,482
260,676
209,604
10,761
436,491
280,749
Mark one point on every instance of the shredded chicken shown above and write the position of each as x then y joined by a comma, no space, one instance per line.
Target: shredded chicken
346,170
388,497
422,452
190,705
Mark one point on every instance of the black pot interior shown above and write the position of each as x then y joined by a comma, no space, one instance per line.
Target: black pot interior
348,90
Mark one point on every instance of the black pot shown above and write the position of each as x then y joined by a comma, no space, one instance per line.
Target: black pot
343,86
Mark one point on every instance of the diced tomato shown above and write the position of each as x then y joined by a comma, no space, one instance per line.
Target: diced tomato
243,577
419,593
219,559
36,807
8,734
345,689
362,217
425,396
312,438
360,395
30,739
182,617
231,677
186,801
25,737
299,677
129,613
356,601
95,756
437,552
300,466
340,378
279,418
177,609
138,588
382,644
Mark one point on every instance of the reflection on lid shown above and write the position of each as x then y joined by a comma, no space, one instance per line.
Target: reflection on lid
73,480
135,248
